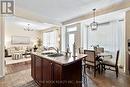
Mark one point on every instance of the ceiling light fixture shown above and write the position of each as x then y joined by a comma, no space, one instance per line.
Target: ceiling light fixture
28,28
94,24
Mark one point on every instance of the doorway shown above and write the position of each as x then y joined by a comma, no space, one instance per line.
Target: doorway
73,36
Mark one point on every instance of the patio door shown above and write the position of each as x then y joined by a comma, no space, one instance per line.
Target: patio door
72,35
71,40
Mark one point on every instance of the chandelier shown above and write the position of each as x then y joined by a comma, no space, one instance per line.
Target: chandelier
94,24
28,28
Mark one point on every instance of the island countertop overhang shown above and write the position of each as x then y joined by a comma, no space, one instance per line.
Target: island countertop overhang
62,60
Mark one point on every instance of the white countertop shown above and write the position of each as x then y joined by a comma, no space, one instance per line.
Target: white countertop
63,60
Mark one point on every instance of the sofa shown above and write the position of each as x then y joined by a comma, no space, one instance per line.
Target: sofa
9,51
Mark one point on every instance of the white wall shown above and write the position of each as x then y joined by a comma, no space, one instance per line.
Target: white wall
14,29
2,73
127,36
63,38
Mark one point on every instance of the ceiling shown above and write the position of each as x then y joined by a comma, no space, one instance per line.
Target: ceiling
62,10
24,22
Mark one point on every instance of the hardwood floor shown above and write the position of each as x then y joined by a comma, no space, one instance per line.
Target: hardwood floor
108,79
12,68
19,75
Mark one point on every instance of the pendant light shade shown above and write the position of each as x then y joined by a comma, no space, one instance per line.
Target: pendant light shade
28,28
94,24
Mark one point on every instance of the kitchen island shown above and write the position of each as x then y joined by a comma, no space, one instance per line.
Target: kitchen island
129,61
61,71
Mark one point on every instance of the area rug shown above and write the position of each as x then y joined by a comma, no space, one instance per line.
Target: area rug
86,83
29,84
9,60
24,79
34,84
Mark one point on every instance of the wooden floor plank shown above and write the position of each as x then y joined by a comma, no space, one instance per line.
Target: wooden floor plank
19,75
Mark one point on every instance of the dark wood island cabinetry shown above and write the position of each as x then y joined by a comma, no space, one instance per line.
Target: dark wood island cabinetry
56,72
129,61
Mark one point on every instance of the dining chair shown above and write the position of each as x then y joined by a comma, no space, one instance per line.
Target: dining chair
111,64
90,61
81,50
100,50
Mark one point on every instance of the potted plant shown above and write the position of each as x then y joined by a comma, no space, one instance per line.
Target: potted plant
35,48
39,44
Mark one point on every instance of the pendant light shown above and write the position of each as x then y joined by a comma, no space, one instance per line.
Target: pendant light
94,24
28,28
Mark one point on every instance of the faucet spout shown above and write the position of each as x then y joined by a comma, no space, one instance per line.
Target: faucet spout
56,49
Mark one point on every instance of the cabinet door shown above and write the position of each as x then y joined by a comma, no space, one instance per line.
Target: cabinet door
38,69
129,63
57,75
47,73
32,66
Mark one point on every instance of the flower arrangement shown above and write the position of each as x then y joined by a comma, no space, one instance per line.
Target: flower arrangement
39,42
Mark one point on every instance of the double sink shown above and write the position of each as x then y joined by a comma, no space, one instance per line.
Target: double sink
52,54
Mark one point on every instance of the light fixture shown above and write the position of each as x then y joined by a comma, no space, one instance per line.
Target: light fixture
28,28
94,24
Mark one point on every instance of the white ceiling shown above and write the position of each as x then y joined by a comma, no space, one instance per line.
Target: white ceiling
24,22
62,10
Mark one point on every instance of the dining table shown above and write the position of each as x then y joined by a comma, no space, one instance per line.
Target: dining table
105,54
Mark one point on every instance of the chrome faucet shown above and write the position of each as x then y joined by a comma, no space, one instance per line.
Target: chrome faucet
56,49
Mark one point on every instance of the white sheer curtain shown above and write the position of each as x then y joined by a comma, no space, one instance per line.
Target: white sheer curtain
106,36
109,36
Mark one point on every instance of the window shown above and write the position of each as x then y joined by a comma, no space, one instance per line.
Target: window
110,36
49,39
72,29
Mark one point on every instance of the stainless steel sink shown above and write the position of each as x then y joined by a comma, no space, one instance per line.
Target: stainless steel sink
55,55
47,53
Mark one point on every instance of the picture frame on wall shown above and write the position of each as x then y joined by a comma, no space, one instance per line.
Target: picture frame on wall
20,40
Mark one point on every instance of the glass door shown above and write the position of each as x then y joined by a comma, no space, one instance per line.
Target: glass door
71,41
71,37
